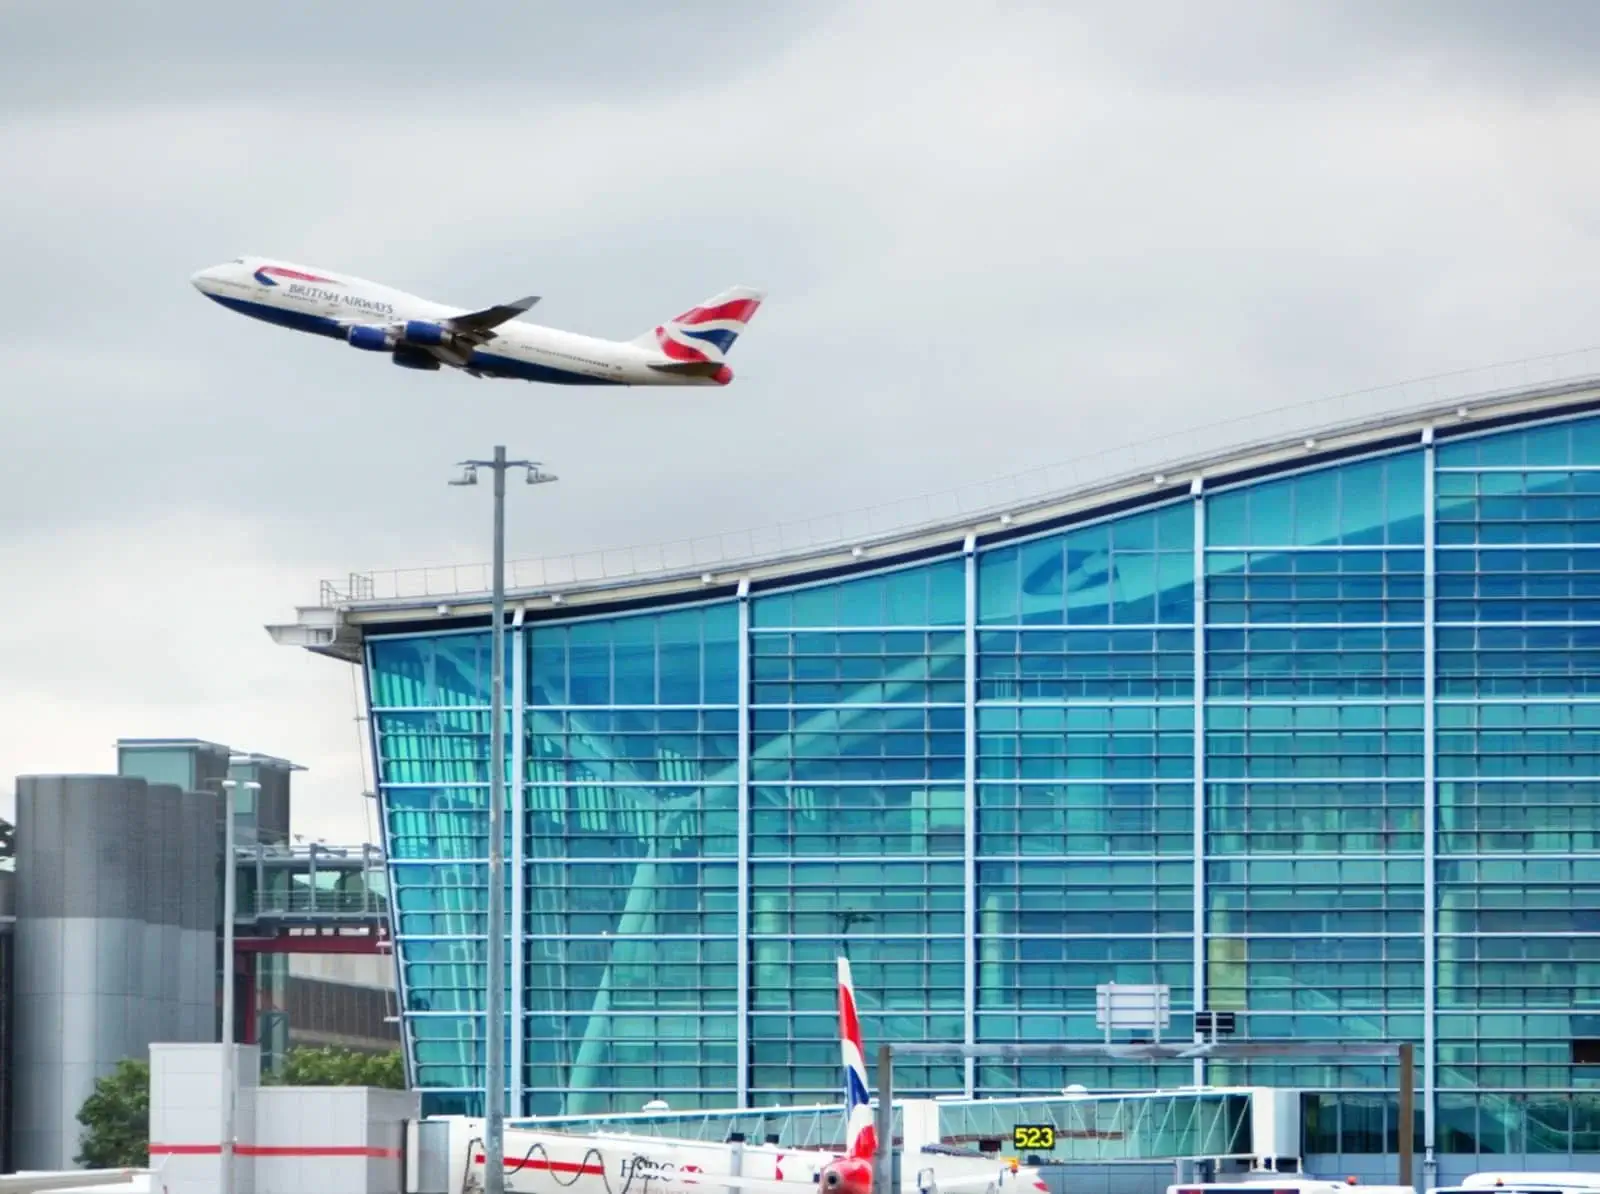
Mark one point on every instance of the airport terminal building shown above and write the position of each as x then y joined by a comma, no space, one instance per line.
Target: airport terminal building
1305,726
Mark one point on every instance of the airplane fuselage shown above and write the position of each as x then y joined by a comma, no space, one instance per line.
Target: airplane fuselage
370,315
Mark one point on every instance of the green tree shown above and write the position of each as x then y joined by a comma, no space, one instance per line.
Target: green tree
116,1119
116,1116
331,1066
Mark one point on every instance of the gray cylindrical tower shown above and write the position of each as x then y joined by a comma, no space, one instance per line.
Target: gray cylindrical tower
190,1013
166,882
81,902
200,839
143,973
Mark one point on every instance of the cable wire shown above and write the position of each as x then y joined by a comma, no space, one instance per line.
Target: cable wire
630,1167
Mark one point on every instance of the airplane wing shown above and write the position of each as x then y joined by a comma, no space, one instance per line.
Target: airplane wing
475,328
490,317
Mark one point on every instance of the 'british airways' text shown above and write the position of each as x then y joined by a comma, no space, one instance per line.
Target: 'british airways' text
317,294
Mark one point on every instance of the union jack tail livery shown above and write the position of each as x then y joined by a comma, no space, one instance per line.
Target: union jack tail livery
861,1136
700,339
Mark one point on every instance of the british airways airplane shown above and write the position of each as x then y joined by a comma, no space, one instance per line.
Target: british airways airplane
420,334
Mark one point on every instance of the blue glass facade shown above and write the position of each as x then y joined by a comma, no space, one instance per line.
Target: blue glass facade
1321,748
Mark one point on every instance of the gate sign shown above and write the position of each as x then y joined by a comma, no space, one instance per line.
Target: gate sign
1132,1007
1033,1138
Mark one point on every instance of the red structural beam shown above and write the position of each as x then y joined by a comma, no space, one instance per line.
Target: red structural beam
373,941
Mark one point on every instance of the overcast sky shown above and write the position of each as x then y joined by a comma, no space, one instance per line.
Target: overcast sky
994,236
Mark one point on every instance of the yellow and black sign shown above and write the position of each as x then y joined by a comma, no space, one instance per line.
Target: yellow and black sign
1038,1138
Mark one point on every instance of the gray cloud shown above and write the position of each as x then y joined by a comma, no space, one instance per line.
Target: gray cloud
75,53
991,243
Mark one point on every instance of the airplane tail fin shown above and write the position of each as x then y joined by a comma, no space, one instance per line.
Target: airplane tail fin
861,1134
705,333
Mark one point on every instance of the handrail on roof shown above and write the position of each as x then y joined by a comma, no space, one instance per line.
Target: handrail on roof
927,512
334,855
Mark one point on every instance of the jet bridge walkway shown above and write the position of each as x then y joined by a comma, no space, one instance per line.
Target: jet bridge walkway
1084,1129
311,898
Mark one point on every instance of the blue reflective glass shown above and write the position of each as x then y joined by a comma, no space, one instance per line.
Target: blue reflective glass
447,670
1571,441
1369,502
1086,767
1129,571
925,595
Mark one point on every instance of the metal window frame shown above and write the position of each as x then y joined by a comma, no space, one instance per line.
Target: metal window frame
969,801
1430,806
742,948
517,1054
1198,978
396,941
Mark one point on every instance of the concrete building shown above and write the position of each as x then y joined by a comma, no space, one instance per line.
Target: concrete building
115,945
347,1001
334,1139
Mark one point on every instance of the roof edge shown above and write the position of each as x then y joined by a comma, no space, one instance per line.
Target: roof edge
335,627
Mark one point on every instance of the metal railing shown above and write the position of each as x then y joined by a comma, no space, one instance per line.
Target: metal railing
1132,461
311,881
313,903
315,855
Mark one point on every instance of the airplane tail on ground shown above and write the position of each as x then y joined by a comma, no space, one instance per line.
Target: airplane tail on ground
861,1135
704,334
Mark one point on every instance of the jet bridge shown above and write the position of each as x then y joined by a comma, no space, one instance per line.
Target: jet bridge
1222,1122
1277,1111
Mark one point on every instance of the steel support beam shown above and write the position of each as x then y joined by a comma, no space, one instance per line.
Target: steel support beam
1430,810
519,824
742,1031
969,818
373,943
1198,958
883,1160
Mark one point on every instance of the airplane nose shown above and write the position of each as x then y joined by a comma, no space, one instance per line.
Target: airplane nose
201,278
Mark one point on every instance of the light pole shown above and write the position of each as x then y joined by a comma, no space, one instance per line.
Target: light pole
494,1041
229,900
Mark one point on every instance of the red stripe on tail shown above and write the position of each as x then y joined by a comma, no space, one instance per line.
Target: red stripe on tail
739,309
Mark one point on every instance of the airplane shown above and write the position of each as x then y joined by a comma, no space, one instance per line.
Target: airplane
417,333
549,1161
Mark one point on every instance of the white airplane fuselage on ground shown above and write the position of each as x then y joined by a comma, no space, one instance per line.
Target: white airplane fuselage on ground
417,333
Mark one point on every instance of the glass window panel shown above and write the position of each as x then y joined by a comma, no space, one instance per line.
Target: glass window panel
1228,518
1084,822
1361,502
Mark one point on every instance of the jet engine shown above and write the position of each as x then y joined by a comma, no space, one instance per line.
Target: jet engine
373,339
412,358
427,333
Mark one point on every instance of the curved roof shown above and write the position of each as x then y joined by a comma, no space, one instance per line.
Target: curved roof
1154,470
